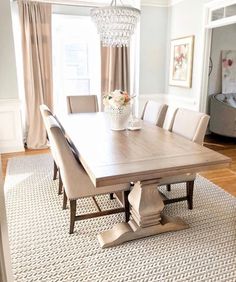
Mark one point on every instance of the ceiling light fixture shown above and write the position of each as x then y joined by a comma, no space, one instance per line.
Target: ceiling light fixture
115,24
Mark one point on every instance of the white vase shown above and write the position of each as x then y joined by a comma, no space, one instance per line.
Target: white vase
118,117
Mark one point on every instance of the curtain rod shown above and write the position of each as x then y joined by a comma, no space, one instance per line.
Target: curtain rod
69,3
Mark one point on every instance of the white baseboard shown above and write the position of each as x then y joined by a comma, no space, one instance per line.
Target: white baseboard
11,137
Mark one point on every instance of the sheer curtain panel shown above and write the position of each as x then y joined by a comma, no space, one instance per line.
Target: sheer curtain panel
35,21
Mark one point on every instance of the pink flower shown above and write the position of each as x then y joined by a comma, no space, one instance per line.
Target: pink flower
230,62
116,99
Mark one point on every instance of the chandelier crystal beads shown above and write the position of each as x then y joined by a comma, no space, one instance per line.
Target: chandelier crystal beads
115,24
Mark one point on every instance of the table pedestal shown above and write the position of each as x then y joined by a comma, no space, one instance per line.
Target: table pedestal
146,217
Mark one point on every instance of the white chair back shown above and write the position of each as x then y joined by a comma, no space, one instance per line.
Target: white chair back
82,104
189,124
154,112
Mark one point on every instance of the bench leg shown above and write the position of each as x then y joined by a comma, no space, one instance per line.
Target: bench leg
168,187
189,188
55,169
72,215
60,185
64,200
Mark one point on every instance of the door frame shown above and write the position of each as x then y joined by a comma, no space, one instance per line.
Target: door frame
208,26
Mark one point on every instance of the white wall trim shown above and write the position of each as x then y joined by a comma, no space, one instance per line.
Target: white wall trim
169,98
216,4
207,34
174,2
84,3
173,102
11,137
160,3
155,3
97,3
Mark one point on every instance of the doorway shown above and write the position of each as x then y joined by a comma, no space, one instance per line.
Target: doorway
218,15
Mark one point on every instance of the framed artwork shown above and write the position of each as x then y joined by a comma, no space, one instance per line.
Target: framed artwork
228,71
181,62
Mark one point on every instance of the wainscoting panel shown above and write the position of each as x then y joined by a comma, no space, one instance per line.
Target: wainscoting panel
11,139
172,101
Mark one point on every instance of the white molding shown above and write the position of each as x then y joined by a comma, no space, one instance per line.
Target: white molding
174,2
97,3
160,3
173,102
11,138
222,22
207,32
84,3
155,3
216,4
170,99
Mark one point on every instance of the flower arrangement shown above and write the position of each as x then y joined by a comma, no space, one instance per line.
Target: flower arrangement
116,99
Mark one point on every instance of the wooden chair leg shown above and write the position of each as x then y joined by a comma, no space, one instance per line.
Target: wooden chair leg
189,188
55,169
168,187
60,185
72,215
126,205
111,196
64,200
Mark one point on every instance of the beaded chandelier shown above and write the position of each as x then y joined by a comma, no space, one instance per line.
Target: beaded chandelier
115,24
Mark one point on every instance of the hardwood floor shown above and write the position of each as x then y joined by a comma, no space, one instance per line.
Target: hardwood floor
27,152
225,178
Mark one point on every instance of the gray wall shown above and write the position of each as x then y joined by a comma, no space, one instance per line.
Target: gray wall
153,25
8,76
223,38
185,19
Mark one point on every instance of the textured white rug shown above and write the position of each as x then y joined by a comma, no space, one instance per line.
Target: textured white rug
42,249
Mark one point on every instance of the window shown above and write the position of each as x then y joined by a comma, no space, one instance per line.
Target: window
76,58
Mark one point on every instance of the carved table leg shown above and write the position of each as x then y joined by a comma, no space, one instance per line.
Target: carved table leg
146,217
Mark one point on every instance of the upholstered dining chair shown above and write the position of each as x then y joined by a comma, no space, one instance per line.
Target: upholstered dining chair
82,104
192,126
76,182
154,112
45,112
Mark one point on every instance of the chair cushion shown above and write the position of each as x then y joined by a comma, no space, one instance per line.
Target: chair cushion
80,186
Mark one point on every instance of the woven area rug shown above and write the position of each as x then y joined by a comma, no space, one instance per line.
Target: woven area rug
42,249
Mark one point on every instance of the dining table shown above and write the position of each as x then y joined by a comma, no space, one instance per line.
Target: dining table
142,157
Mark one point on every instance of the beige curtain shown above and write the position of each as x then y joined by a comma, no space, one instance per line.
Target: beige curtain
35,21
115,69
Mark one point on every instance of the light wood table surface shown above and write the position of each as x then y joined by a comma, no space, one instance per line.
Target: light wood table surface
143,157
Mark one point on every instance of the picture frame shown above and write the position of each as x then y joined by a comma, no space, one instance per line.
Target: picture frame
181,61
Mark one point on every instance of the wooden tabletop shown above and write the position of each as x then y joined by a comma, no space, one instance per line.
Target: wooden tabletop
113,157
